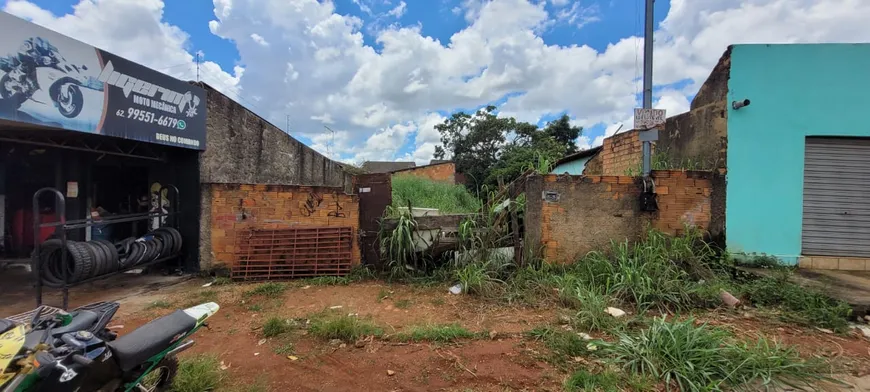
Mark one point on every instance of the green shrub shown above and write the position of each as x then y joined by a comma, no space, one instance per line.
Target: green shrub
424,193
592,315
802,305
275,326
346,328
583,380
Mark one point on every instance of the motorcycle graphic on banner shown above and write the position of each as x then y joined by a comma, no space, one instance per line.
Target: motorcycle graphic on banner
55,81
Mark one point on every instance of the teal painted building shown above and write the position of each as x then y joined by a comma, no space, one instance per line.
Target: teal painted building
798,156
574,164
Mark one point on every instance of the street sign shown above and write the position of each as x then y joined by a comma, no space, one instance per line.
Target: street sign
648,118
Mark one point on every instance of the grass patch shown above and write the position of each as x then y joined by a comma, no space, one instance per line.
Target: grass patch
255,307
383,294
592,315
159,304
222,281
425,193
270,289
403,303
276,326
693,357
438,301
197,373
435,333
285,348
563,345
343,327
802,305
583,380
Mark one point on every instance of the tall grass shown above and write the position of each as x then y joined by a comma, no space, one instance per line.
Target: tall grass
198,373
424,193
802,305
343,327
690,357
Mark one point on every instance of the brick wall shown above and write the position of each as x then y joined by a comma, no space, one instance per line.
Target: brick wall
570,216
684,198
443,172
621,154
239,207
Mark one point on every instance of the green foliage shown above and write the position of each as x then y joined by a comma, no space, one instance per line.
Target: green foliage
692,357
478,144
424,193
563,345
398,245
270,289
222,281
403,303
591,315
198,373
275,326
583,380
343,327
285,348
801,305
434,333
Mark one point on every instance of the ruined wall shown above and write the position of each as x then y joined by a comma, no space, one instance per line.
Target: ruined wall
594,166
237,207
621,154
580,214
715,88
442,172
684,198
696,140
243,148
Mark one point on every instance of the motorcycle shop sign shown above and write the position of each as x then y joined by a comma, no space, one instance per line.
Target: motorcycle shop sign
50,79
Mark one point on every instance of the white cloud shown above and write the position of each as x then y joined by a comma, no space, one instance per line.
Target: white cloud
578,15
318,66
399,10
259,39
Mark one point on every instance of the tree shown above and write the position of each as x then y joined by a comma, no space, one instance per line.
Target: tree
487,148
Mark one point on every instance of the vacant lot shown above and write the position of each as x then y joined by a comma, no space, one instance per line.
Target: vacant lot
372,335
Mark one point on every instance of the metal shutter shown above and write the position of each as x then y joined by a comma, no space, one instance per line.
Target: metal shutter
836,219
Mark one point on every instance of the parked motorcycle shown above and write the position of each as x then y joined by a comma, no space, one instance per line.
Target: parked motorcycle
64,84
74,352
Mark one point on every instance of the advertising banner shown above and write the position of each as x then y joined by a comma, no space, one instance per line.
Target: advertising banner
52,80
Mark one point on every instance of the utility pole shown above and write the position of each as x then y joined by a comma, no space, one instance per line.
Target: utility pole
648,82
288,124
197,66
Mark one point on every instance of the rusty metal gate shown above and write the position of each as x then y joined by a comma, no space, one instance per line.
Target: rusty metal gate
375,194
278,254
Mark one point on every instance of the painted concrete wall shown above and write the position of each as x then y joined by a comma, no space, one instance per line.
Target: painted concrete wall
574,168
795,91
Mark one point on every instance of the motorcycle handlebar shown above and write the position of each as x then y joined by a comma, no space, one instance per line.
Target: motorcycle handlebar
82,360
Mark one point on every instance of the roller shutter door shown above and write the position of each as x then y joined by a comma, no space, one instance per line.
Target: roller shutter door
836,219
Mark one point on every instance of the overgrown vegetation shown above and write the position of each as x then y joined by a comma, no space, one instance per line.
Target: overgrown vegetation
197,373
434,333
159,304
270,289
343,327
802,305
420,192
275,326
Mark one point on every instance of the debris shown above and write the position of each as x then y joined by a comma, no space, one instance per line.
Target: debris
261,342
457,289
208,284
120,326
825,330
615,312
493,334
865,330
342,345
360,343
223,366
867,318
564,319
335,342
728,299
336,307
390,372
292,357
591,347
584,336
255,354
306,287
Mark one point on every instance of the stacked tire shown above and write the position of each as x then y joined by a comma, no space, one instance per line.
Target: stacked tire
85,260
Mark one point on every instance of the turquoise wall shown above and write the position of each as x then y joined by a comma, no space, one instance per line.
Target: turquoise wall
574,167
795,91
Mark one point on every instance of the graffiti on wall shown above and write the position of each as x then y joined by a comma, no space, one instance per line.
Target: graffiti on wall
311,203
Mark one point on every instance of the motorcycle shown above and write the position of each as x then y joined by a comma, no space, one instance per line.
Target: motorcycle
64,85
75,352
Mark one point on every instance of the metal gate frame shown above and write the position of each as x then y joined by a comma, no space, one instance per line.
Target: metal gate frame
296,252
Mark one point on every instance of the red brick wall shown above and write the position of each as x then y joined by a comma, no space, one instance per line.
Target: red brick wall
443,172
621,154
239,207
684,198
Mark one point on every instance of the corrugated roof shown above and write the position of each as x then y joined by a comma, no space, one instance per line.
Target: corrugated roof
385,166
577,155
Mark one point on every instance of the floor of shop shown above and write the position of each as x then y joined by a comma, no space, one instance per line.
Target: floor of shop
18,292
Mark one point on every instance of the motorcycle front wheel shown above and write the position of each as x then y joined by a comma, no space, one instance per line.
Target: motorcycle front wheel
70,104
160,378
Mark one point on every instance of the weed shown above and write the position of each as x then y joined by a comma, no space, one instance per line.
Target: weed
232,331
270,289
802,305
346,328
592,316
329,281
198,373
693,357
435,333
399,245
255,308
403,303
583,380
159,304
222,281
383,294
437,301
478,278
563,345
284,349
425,193
275,326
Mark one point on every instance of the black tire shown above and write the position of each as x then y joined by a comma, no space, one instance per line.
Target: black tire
112,255
168,242
176,239
84,262
137,250
79,262
73,107
98,257
46,263
168,368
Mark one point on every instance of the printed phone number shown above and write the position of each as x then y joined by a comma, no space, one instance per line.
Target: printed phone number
151,118
177,140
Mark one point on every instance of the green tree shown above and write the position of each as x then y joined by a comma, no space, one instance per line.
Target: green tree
564,133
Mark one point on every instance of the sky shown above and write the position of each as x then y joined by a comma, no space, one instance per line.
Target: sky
369,79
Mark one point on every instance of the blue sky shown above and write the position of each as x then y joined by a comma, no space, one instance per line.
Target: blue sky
595,24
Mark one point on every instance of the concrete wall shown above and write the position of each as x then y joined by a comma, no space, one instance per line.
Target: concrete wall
239,207
442,172
695,140
245,149
795,91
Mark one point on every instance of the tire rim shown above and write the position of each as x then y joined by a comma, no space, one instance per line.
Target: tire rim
154,379
65,99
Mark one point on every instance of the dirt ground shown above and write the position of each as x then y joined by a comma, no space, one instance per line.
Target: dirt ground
507,362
